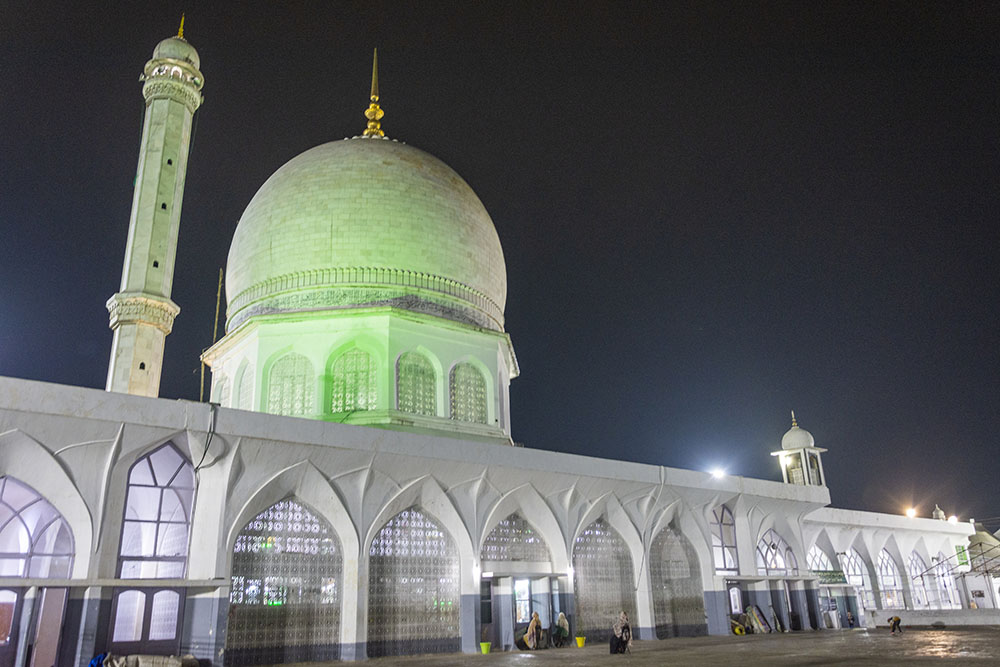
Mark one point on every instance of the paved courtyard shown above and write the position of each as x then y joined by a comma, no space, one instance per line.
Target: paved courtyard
979,646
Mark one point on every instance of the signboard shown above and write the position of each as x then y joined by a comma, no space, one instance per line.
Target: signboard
830,576
963,557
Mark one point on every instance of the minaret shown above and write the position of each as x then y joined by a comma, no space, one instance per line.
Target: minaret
142,313
800,457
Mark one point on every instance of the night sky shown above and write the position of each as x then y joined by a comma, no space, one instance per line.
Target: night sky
711,213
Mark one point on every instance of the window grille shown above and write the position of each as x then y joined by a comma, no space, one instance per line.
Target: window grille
889,583
724,541
946,584
468,394
413,588
290,386
917,568
774,556
513,539
353,382
678,599
416,385
246,388
603,576
286,589
35,540
817,560
856,571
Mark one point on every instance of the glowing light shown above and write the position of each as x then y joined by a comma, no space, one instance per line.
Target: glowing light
953,519
718,473
911,512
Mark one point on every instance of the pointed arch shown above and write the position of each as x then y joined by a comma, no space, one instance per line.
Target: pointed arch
468,393
221,389
291,386
353,372
890,582
245,386
604,578
724,551
417,373
857,572
526,501
675,576
774,556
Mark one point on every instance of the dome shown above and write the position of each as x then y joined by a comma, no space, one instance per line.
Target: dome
366,222
177,48
797,438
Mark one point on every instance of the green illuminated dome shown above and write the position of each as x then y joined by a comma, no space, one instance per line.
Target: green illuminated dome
366,222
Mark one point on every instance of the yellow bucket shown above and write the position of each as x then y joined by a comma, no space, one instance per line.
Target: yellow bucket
580,641
484,647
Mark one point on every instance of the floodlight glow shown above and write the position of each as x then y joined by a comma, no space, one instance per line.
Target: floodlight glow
910,512
953,519
718,473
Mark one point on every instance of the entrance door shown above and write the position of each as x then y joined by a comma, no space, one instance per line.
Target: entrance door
10,612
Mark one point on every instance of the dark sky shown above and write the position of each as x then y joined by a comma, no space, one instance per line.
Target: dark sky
712,213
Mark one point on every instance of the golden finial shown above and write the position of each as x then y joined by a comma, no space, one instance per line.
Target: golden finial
795,424
180,30
374,113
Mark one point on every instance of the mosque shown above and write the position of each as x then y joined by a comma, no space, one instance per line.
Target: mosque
352,489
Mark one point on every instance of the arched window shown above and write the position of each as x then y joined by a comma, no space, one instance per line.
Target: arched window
678,600
603,580
817,560
468,394
286,589
413,588
917,568
353,379
245,388
154,545
221,390
35,540
946,584
513,539
889,583
290,386
416,385
774,556
724,541
856,571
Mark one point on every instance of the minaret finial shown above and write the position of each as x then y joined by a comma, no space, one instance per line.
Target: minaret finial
794,423
374,113
180,30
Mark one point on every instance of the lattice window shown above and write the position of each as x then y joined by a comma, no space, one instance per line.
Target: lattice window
678,599
416,384
513,539
724,541
221,390
290,386
917,568
856,571
413,588
603,575
889,583
468,394
817,560
774,556
353,382
246,388
35,540
286,589
946,584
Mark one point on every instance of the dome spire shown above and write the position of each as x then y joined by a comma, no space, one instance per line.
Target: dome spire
794,423
180,30
374,113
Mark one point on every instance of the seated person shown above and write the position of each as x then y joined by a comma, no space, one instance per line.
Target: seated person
560,631
621,635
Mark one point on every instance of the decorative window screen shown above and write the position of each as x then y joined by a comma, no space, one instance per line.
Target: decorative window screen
353,382
946,584
413,588
774,556
290,386
817,560
246,389
917,569
286,589
35,540
221,391
889,583
513,539
416,385
678,599
158,504
724,541
468,394
603,576
856,571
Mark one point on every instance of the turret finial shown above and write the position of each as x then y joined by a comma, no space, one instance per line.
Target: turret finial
374,113
795,424
180,30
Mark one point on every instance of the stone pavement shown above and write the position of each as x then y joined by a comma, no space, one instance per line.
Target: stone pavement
973,646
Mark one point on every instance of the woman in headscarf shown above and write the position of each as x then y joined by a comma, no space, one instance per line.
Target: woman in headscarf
621,635
533,635
561,633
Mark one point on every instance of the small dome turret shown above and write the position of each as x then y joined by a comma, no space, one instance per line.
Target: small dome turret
177,48
797,438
